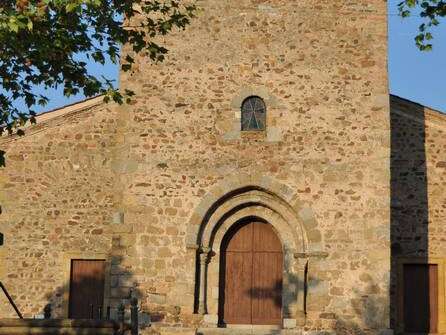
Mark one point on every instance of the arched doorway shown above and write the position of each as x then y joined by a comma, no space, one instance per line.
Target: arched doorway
251,272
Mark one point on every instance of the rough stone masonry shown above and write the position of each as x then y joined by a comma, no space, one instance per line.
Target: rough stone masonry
152,187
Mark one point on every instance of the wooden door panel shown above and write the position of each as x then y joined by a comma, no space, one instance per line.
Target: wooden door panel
415,299
241,239
237,309
265,239
267,288
433,298
420,298
86,288
253,264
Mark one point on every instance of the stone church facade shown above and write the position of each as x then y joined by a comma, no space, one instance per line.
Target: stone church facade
349,181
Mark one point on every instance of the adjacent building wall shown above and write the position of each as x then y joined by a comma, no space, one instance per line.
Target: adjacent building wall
57,201
418,198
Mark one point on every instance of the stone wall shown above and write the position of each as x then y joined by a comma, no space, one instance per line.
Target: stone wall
419,166
55,326
320,66
57,200
417,189
134,184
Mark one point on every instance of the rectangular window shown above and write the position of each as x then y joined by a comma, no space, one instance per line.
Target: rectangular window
87,280
420,298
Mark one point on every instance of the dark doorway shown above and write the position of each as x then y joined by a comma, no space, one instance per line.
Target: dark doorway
251,275
86,289
420,298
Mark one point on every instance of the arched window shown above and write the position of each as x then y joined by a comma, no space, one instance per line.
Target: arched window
253,114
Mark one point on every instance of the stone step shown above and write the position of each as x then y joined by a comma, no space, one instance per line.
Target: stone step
236,330
57,327
246,331
55,331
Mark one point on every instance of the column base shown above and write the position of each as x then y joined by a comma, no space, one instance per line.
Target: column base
289,323
211,320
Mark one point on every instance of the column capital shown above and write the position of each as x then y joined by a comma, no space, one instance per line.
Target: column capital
204,255
205,250
311,254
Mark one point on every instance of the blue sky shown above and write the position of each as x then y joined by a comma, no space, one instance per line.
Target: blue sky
414,75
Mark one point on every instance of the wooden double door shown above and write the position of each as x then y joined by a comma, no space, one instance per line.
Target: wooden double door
251,275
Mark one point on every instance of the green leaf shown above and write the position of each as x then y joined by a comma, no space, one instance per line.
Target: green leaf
70,7
40,46
13,26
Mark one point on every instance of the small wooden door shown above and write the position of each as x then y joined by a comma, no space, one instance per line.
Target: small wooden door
86,289
251,276
420,298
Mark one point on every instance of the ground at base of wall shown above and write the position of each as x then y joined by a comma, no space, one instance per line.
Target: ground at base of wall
231,331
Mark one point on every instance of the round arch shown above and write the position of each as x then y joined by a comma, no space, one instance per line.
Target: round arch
255,189
245,196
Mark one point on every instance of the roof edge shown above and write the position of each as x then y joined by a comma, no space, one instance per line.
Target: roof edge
44,118
407,101
74,107
423,114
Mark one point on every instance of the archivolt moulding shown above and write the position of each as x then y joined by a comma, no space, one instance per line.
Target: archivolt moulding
243,197
242,191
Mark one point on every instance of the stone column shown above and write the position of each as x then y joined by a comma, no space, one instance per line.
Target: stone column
302,260
204,259
290,291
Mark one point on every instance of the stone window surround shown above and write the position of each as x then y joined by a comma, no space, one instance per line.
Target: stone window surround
244,196
86,255
441,263
272,133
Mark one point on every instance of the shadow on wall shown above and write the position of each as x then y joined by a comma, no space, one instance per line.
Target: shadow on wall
93,308
409,220
367,308
2,158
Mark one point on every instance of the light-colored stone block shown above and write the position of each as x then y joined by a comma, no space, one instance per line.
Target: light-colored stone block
211,319
289,323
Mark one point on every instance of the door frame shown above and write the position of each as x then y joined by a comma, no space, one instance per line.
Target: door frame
67,258
232,200
238,195
208,273
440,262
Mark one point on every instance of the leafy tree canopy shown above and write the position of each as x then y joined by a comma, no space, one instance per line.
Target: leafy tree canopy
41,41
432,11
